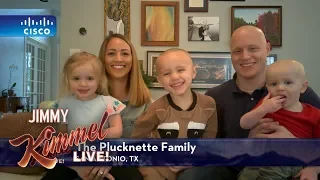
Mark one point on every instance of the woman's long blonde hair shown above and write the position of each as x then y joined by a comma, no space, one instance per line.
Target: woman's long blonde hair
139,94
82,58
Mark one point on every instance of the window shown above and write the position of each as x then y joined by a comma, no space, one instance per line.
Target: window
35,69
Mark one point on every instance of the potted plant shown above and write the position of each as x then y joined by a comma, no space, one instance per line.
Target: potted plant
10,86
148,80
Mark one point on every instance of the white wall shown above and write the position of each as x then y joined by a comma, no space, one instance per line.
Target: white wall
12,48
300,37
30,4
12,52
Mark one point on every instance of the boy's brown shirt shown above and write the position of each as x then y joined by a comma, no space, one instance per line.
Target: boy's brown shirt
164,119
200,121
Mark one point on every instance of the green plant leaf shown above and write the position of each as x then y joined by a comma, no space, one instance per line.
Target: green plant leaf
13,85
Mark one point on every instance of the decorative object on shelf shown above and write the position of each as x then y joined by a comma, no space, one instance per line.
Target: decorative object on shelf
117,17
83,31
203,28
160,23
196,6
267,18
10,90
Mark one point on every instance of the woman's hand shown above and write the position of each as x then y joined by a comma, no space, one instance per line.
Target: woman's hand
94,173
99,172
176,169
268,128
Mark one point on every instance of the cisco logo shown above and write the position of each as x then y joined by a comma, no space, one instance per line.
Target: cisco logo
31,30
32,25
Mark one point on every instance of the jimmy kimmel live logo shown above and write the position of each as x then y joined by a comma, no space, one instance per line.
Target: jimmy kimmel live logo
28,25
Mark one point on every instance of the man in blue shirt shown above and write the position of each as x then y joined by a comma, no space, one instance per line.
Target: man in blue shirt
249,51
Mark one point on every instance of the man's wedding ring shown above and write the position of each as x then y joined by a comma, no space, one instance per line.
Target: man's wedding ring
101,172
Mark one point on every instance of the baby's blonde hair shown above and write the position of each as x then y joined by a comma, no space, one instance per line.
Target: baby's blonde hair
82,58
294,66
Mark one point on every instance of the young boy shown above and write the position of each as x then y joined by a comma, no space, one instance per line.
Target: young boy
182,113
285,80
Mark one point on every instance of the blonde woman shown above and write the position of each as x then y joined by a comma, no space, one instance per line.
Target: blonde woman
126,84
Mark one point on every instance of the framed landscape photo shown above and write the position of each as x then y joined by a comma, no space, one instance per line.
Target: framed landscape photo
213,68
160,23
117,17
267,18
196,6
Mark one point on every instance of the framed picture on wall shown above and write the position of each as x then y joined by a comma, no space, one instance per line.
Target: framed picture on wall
271,59
196,6
117,17
213,68
203,28
160,23
267,18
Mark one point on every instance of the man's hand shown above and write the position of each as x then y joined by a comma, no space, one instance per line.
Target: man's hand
263,127
267,128
273,104
308,173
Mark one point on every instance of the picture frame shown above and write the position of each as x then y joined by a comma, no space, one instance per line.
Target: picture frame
166,26
141,65
117,17
209,75
272,58
256,16
203,28
196,5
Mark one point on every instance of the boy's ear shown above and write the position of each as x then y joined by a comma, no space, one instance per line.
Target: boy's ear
194,72
304,86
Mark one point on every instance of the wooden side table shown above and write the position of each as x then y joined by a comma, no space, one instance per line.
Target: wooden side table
14,104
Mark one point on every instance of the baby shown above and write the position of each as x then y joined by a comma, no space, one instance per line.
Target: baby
285,81
182,113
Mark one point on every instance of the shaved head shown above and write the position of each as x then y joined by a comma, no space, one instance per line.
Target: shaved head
248,30
183,54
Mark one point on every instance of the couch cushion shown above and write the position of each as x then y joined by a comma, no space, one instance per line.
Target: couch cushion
14,125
